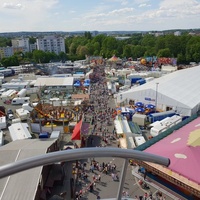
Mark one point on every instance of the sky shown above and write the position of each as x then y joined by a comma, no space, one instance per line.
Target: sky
100,15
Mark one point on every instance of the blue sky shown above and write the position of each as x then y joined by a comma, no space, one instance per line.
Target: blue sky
101,15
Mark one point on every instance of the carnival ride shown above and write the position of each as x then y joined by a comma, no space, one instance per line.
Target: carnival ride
55,114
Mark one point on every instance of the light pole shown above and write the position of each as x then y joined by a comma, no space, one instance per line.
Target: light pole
156,100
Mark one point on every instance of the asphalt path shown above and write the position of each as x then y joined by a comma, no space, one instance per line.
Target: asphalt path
108,188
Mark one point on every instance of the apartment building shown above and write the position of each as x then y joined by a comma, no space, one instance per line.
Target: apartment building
6,52
51,44
21,43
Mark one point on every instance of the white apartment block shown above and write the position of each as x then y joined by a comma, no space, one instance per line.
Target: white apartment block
6,52
51,44
177,33
21,42
33,47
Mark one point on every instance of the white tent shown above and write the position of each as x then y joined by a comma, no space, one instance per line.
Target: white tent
178,91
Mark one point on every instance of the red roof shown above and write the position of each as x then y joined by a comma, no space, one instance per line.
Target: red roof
76,135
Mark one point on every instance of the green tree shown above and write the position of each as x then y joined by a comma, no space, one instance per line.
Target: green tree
138,51
72,49
4,42
82,51
127,51
62,56
150,52
39,56
181,59
164,53
148,41
11,61
109,46
173,44
88,35
32,40
97,48
160,43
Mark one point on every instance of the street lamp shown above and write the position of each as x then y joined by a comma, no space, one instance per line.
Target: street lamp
156,100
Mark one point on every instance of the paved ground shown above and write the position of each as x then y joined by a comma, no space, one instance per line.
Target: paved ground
107,188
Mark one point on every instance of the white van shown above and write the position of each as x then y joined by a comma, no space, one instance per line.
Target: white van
1,138
20,100
139,140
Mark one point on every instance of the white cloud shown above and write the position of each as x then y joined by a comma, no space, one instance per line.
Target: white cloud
121,11
36,15
72,11
45,15
144,5
177,9
141,1
124,2
116,12
12,6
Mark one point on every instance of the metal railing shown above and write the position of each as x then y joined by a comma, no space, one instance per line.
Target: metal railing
83,153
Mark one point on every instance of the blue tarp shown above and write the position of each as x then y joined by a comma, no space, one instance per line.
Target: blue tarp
77,83
139,109
149,106
139,104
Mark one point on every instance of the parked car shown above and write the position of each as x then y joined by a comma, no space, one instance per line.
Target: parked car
11,116
9,111
7,101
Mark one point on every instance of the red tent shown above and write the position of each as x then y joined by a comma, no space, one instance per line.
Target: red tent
76,135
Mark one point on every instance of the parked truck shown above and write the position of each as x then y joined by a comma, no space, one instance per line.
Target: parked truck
20,100
153,117
3,124
22,93
29,106
139,119
22,114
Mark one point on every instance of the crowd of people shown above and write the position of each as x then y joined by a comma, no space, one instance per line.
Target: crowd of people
100,111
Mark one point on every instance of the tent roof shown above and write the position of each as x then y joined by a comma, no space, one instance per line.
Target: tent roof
181,154
114,59
17,186
181,85
54,81
76,135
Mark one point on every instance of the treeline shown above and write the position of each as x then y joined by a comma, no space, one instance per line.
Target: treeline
185,48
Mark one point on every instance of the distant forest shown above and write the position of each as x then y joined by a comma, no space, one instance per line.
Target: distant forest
186,48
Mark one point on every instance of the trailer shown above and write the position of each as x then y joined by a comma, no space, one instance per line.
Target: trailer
22,93
139,140
118,127
22,114
139,119
160,116
1,138
9,94
16,120
156,130
125,126
141,81
3,124
135,79
19,131
164,124
20,100
130,143
44,135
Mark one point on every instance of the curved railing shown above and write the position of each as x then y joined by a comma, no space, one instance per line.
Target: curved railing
77,154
